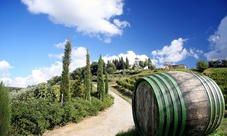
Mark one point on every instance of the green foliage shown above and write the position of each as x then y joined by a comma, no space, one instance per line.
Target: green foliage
201,65
94,68
78,72
87,78
65,81
77,88
217,63
106,83
5,113
219,76
54,80
110,67
130,132
127,63
125,85
33,116
100,79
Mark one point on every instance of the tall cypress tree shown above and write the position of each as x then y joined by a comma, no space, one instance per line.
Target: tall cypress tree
127,63
65,81
5,112
106,83
87,78
100,79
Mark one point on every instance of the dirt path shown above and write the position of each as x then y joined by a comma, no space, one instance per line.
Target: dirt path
108,123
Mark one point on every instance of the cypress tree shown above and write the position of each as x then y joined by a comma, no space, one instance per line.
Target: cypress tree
100,79
127,63
106,83
87,78
5,112
65,81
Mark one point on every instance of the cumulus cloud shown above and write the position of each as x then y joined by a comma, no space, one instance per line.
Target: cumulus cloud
4,68
42,74
130,55
175,52
58,56
78,57
61,44
93,18
218,42
37,76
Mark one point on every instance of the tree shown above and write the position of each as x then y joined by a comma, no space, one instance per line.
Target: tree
110,67
136,64
77,88
100,79
201,65
141,64
211,64
78,72
65,80
94,68
5,111
106,83
224,62
87,79
127,63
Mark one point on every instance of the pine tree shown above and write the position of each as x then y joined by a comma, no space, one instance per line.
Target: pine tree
5,113
87,78
106,83
65,81
100,79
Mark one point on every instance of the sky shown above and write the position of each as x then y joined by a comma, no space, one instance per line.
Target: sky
33,34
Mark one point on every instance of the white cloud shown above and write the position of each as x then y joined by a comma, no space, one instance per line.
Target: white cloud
130,55
89,17
61,44
218,42
174,52
58,56
78,57
38,75
4,68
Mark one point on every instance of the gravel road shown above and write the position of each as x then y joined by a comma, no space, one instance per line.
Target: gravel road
108,123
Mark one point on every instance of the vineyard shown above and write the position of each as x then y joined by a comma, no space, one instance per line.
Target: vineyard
126,86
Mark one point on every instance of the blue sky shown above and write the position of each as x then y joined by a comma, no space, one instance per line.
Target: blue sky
33,34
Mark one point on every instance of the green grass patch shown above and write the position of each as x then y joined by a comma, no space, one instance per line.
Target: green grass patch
130,132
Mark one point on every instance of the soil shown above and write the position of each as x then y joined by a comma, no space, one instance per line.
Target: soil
115,119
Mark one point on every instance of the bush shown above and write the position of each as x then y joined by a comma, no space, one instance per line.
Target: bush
201,65
32,116
4,110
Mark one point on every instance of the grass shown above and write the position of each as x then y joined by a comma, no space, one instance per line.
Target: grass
130,132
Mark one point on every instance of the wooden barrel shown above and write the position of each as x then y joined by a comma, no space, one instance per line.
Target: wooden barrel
177,103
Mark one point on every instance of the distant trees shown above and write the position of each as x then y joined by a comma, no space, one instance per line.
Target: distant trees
110,67
201,65
100,79
65,80
5,113
87,79
217,63
94,68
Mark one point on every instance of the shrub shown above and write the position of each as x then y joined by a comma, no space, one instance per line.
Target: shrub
32,116
201,65
4,110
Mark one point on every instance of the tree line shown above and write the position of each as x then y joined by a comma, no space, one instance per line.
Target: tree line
217,63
